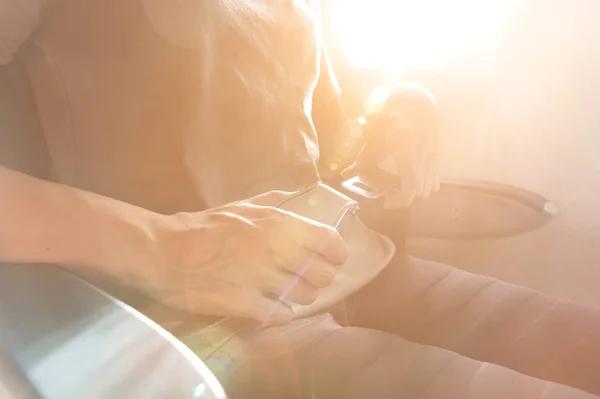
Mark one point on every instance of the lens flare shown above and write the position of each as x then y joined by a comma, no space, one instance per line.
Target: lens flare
376,99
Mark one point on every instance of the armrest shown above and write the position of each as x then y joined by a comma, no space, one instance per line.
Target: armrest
462,209
70,340
475,209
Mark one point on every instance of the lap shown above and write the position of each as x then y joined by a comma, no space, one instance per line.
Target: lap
422,329
485,319
317,357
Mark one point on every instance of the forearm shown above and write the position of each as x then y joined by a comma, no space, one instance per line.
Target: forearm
43,222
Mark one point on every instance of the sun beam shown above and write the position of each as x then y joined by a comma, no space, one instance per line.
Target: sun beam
415,34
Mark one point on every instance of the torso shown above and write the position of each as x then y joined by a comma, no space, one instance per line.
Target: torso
176,106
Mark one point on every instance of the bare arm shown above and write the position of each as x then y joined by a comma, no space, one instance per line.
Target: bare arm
177,259
43,222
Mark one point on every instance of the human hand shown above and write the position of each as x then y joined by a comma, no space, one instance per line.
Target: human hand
239,259
400,154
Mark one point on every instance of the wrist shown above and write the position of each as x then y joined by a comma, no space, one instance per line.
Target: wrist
106,237
194,238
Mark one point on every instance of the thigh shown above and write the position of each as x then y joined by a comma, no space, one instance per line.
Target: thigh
486,319
317,358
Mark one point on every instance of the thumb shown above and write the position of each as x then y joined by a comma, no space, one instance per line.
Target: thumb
270,198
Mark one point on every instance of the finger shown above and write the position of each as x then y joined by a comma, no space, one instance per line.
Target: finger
403,198
232,301
399,200
410,169
430,177
411,174
271,198
253,213
437,178
325,241
245,303
313,268
421,171
291,287
317,237
269,310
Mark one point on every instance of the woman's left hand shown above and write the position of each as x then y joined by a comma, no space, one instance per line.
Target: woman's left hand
400,154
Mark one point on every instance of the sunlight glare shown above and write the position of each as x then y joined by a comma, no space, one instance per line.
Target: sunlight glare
377,98
423,33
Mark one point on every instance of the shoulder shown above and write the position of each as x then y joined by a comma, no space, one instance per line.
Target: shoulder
18,19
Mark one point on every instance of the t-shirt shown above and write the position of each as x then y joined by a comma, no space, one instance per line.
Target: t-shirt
180,105
177,105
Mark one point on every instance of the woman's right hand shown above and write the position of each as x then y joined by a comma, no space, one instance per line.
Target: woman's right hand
239,259
234,260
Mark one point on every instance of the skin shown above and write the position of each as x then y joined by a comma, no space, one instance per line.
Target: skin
400,154
233,260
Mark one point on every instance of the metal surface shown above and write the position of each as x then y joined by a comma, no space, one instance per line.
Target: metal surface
69,340
358,186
